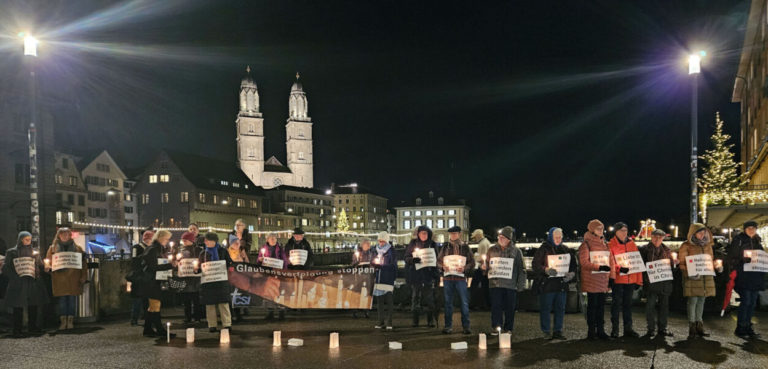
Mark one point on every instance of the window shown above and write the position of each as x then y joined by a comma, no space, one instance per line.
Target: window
354,225
184,197
65,163
164,197
418,201
429,223
128,197
58,179
71,199
235,185
407,213
72,181
81,216
201,197
113,182
301,155
58,217
440,223
97,181
354,208
224,183
418,213
439,212
303,221
97,213
129,209
215,199
451,222
165,178
80,200
102,167
362,209
97,196
144,198
451,212
202,224
240,203
254,204
153,178
417,222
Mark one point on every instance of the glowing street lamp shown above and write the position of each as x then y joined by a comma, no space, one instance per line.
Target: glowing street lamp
30,44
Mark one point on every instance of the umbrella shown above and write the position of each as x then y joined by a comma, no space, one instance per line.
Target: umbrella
728,290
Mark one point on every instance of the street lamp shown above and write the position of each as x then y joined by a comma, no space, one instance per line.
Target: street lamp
694,69
30,49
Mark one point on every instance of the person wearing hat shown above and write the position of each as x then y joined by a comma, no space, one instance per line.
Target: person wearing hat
24,291
697,288
453,283
273,249
190,295
503,288
657,294
552,289
748,283
422,279
594,278
67,283
139,303
215,295
296,244
152,288
623,284
385,263
240,231
480,298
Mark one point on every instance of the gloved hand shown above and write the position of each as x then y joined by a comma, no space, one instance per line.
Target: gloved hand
747,260
417,260
604,268
569,276
551,272
624,270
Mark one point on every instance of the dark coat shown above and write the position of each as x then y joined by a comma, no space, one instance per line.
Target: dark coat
364,257
750,281
462,249
191,252
649,254
24,291
387,272
245,242
303,245
215,292
137,251
542,282
424,275
275,252
153,289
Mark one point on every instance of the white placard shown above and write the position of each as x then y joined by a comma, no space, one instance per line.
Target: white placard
659,270
274,263
632,260
66,260
700,264
600,258
163,275
298,257
187,268
560,262
501,267
759,261
452,264
25,266
214,271
383,287
427,256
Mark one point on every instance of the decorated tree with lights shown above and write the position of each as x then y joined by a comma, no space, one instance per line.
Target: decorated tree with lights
342,224
721,174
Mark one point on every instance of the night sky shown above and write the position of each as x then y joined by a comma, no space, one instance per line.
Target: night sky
540,113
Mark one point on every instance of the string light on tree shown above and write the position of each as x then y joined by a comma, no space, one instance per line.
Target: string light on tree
342,224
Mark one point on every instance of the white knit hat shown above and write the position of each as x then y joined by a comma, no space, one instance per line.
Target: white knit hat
384,236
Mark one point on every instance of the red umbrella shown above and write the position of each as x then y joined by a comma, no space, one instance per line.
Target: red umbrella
728,290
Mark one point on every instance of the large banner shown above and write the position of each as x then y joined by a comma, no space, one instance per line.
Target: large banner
345,288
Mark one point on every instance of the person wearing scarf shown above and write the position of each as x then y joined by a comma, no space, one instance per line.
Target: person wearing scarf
190,295
453,283
623,284
385,263
24,291
215,295
552,290
273,249
657,294
364,255
594,279
67,283
697,288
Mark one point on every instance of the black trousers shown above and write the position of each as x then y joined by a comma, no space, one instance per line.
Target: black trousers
192,308
423,298
596,312
18,319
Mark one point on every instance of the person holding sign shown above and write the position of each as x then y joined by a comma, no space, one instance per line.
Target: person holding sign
23,267
153,288
215,295
625,282
659,264
139,302
554,268
385,263
596,264
364,255
479,295
506,274
697,287
299,251
273,255
744,256
457,263
238,255
190,295
69,273
240,231
421,265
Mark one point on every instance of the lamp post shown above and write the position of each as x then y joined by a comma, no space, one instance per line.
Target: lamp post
30,53
694,69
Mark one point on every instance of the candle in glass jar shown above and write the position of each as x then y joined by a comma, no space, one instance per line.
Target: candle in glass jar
718,263
748,253
170,257
47,263
415,250
674,256
194,264
357,254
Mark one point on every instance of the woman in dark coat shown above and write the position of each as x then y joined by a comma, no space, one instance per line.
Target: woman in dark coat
24,291
153,289
241,232
215,295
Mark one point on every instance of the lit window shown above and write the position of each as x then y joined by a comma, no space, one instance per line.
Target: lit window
235,185
439,212
184,197
164,197
303,221
153,178
70,217
418,213
240,203
451,212
145,198
58,217
201,197
254,204
417,223
224,183
429,212
58,179
451,222
165,178
215,199
440,223
429,223
407,213
354,225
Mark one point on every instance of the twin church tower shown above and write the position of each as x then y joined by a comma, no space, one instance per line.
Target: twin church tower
298,140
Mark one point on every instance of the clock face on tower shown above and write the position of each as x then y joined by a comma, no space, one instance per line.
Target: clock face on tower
277,182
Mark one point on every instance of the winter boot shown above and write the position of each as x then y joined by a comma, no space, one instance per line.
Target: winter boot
63,322
71,322
751,333
431,320
691,331
615,331
700,330
415,319
591,333
34,328
148,331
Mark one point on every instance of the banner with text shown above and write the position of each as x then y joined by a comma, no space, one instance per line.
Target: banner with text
67,260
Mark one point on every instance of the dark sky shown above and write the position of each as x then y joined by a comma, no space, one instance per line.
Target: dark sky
541,113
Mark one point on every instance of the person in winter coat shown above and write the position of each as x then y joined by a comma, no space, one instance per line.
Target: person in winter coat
190,295
363,256
480,297
139,303
273,249
697,288
199,238
623,284
67,282
215,295
748,284
385,263
241,232
153,326
25,287
238,255
504,288
552,289
657,294
596,265
298,243
453,283
422,279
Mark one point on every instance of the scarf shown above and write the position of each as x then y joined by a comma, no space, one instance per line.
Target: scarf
700,242
213,252
65,246
381,250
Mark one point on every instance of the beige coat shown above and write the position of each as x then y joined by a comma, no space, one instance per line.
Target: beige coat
68,282
705,286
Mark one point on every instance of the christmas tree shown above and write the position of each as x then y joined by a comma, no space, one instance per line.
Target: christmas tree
342,225
721,174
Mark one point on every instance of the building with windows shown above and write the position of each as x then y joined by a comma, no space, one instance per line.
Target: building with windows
437,213
105,204
312,209
131,209
366,211
71,192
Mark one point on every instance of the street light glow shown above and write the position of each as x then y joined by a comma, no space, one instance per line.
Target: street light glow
694,62
30,44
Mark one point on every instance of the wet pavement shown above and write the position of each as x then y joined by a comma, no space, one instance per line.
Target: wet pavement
115,344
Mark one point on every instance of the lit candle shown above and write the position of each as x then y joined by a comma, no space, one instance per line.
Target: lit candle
357,254
276,339
190,335
168,331
378,260
674,256
47,263
128,287
481,344
179,256
505,340
194,264
748,253
224,336
334,340
718,263
264,252
170,257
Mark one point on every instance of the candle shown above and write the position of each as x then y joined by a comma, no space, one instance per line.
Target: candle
357,254
748,253
47,263
224,336
415,250
128,287
168,331
276,339
179,256
718,263
264,251
190,335
674,256
378,260
505,340
481,344
334,340
194,264
170,257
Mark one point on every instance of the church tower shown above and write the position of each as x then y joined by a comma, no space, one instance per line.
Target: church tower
250,131
299,137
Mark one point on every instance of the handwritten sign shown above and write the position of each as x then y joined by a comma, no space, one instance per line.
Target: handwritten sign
632,260
501,267
163,275
659,270
454,265
560,262
759,261
600,258
67,260
298,257
25,266
700,264
427,256
274,263
187,268
214,271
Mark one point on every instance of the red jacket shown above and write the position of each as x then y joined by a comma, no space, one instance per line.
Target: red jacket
620,248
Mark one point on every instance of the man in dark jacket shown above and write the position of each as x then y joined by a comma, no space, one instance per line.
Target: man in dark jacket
657,293
423,277
296,247
551,287
744,250
139,304
215,295
455,275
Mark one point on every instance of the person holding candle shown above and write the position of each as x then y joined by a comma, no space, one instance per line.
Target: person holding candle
190,295
552,290
139,303
67,283
385,263
298,242
273,249
480,297
241,232
24,291
623,284
453,283
594,278
199,238
748,284
238,255
422,280
657,294
215,295
153,288
504,290
364,255
697,288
